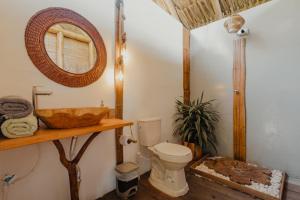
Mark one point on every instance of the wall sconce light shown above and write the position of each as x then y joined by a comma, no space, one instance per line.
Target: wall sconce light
124,53
120,76
122,58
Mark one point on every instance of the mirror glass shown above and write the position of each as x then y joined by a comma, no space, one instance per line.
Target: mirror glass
71,48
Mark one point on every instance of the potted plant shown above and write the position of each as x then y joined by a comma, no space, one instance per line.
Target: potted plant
195,123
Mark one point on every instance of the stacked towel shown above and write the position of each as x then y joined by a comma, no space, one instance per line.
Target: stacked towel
14,108
22,127
16,117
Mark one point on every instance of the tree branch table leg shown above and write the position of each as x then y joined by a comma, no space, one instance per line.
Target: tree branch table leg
71,166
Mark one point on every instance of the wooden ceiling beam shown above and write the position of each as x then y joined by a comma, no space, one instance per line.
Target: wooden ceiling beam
162,4
183,19
204,14
172,9
217,8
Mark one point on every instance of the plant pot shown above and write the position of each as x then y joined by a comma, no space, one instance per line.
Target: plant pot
196,150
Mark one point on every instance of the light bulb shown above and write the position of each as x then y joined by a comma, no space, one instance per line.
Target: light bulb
124,55
120,76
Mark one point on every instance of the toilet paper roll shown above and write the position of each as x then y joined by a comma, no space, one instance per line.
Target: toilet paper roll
124,140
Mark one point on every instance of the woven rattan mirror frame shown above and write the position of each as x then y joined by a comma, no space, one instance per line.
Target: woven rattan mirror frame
34,41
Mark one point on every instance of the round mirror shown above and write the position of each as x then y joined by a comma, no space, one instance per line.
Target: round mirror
70,48
65,47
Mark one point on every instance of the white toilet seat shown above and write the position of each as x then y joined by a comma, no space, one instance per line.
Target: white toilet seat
172,152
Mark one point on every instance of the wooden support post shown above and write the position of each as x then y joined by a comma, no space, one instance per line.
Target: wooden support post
233,25
119,68
91,54
239,104
186,65
71,166
60,49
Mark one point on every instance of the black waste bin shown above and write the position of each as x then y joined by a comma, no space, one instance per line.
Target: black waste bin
127,179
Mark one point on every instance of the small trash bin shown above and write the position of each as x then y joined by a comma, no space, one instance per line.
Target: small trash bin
127,179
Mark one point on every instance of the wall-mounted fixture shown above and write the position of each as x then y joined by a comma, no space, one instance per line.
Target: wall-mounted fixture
234,23
120,76
243,32
124,52
36,93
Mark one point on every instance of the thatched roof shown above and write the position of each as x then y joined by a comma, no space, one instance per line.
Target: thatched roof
196,13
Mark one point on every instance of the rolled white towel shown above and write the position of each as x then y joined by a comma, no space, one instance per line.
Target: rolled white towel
22,127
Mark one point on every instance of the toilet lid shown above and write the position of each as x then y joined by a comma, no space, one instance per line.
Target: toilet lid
173,152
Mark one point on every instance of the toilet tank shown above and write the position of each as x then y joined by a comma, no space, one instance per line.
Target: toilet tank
149,131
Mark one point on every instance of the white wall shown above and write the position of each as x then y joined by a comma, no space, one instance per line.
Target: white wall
152,81
272,83
153,78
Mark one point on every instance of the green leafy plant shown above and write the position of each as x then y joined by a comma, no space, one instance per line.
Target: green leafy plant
195,122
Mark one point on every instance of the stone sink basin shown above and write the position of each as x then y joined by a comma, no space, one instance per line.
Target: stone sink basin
65,118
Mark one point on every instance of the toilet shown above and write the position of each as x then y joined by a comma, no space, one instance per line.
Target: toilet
167,160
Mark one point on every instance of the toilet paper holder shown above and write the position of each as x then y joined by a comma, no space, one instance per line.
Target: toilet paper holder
126,140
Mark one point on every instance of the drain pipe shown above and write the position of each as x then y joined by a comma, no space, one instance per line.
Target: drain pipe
72,156
6,182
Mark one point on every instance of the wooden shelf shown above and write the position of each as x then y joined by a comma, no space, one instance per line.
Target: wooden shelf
44,135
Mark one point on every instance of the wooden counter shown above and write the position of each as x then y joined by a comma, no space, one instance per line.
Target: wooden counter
45,135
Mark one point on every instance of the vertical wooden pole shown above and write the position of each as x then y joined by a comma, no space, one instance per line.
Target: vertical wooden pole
91,54
186,65
60,49
239,103
233,25
119,67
